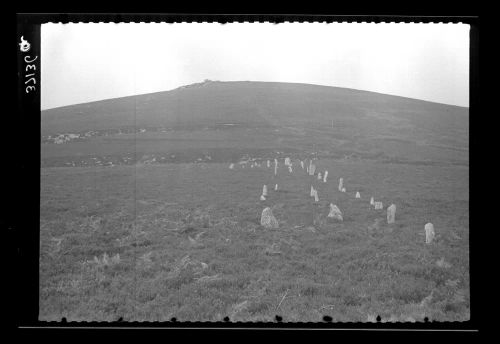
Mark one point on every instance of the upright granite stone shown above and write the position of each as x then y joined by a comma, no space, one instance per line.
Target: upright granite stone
267,219
429,233
391,214
335,214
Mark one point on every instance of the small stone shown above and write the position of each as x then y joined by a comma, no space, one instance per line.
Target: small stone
335,213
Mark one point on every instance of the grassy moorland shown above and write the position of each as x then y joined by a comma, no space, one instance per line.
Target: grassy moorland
150,223
171,265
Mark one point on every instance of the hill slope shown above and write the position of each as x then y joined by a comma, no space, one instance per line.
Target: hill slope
304,118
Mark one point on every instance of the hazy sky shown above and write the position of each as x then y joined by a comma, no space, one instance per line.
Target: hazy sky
87,62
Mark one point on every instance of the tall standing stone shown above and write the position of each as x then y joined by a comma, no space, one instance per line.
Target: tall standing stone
275,167
358,195
429,233
391,214
343,190
319,176
341,184
302,164
268,164
372,201
324,177
312,191
264,190
276,187
267,219
287,161
289,168
262,198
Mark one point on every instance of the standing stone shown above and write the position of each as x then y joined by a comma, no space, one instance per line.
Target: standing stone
231,166
319,176
378,205
372,201
307,169
302,164
264,190
343,189
275,167
312,191
358,195
316,198
251,166
324,177
287,161
341,184
335,213
276,187
267,219
391,214
312,169
262,198
289,168
429,233
268,164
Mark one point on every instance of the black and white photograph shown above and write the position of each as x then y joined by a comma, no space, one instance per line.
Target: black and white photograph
250,171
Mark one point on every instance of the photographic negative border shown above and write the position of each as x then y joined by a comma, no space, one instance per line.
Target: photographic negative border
26,228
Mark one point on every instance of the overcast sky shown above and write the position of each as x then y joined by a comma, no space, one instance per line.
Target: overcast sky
87,62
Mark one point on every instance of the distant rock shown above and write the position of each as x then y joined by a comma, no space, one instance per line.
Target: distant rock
378,205
372,201
267,219
264,190
341,184
325,176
